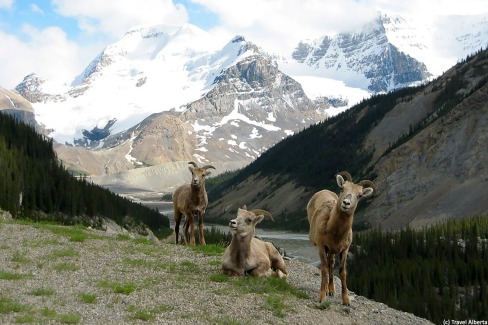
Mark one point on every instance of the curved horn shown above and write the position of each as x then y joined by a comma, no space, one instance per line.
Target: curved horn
193,163
368,183
265,213
208,166
345,175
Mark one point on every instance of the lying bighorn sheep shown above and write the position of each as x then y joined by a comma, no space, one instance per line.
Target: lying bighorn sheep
191,200
330,219
247,254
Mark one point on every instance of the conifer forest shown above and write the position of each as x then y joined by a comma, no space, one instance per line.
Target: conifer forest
34,183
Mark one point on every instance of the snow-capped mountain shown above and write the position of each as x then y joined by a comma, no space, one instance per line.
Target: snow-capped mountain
390,52
163,94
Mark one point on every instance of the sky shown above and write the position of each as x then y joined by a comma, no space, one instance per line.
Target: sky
57,39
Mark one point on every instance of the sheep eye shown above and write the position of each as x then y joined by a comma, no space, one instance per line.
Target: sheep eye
248,220
359,196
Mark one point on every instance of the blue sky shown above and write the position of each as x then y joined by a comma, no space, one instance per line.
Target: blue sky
57,39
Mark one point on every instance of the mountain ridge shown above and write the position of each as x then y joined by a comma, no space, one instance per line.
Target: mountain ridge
154,74
436,154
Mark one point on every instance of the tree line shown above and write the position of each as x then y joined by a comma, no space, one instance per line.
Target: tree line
439,272
34,184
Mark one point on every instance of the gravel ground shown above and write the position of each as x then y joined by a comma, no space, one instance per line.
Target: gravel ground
54,275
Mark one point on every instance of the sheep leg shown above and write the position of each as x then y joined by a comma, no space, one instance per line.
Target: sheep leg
262,271
192,231
343,276
325,273
230,272
177,217
331,262
187,224
200,229
279,266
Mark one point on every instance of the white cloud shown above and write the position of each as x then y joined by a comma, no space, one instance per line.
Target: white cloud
55,55
116,17
280,24
35,8
47,52
6,4
276,25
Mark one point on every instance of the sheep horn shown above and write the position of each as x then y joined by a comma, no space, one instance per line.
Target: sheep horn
368,183
346,175
265,213
208,166
193,163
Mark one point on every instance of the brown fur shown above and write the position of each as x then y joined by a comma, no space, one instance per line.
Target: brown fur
247,254
330,218
191,200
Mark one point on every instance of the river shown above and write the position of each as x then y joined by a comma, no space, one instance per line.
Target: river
296,245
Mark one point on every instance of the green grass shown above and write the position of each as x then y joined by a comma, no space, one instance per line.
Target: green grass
66,267
219,277
49,313
143,241
215,263
42,292
88,298
184,267
5,275
269,285
324,305
8,305
75,233
209,250
125,288
69,252
137,262
227,320
20,258
276,304
71,318
26,319
148,314
122,237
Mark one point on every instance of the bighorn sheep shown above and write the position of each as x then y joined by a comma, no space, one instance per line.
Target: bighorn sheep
247,254
191,200
330,217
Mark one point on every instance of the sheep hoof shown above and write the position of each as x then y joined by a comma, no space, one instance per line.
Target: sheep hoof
331,294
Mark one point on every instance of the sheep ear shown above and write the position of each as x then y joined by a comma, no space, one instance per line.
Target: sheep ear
340,181
190,168
367,191
208,173
244,207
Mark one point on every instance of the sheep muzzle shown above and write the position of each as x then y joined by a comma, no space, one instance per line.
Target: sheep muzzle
233,224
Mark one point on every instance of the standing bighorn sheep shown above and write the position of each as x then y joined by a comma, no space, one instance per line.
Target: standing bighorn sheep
247,254
191,200
330,217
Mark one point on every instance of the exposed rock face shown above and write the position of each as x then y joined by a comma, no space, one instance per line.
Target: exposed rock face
31,89
369,53
15,105
441,173
253,106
